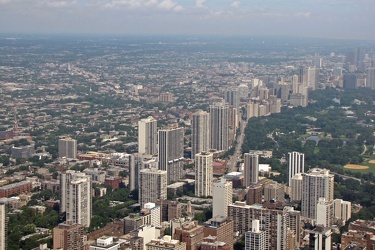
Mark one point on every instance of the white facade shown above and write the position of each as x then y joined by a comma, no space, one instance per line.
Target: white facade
313,78
317,183
219,126
222,197
296,164
67,148
76,197
148,233
155,212
296,187
251,169
203,174
152,185
256,239
105,243
200,136
3,226
342,210
324,212
147,136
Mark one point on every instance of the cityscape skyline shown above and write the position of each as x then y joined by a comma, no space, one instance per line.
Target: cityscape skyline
195,17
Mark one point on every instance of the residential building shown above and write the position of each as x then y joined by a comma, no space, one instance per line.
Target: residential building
200,133
296,164
274,192
152,185
171,152
324,212
251,169
105,243
69,236
67,148
254,194
370,78
219,126
147,136
190,233
203,174
221,197
165,243
256,239
342,210
350,81
296,187
320,238
3,226
220,227
15,189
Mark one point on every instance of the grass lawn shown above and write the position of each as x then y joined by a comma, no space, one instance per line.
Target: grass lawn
366,162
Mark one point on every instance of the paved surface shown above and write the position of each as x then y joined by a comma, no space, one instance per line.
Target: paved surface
232,162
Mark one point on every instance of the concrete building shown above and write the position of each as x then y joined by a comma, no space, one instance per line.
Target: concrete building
152,185
370,78
203,174
171,152
22,152
296,164
219,126
3,226
274,192
251,169
190,233
165,243
316,183
296,187
350,81
256,239
105,243
320,238
313,78
200,133
231,96
275,222
76,197
221,197
69,236
147,136
254,194
15,189
342,210
324,212
220,227
252,110
67,148
155,212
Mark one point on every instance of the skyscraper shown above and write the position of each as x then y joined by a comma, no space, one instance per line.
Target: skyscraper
251,169
296,164
68,236
171,152
256,239
317,183
76,197
350,81
147,136
67,148
203,174
3,227
152,185
200,136
370,78
221,197
313,78
231,96
219,126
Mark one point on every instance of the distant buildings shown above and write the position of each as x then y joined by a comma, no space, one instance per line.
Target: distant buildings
67,148
350,81
370,78
15,189
3,227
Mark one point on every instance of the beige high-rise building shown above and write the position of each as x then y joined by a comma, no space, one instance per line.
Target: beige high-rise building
252,110
200,136
68,236
219,126
3,226
324,212
152,185
67,148
251,169
171,152
76,197
274,192
296,164
342,210
296,187
203,174
221,197
147,136
317,183
313,78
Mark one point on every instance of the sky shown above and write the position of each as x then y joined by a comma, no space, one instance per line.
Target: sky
353,19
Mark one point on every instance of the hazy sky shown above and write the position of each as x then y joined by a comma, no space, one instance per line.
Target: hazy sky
313,18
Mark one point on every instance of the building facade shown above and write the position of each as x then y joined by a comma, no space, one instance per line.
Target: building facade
219,126
67,148
147,136
296,164
200,133
221,197
203,174
152,185
251,169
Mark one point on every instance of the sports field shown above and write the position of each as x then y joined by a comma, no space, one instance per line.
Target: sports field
356,167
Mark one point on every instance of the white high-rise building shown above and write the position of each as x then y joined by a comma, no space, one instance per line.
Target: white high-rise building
296,164
219,126
317,183
343,210
200,136
203,174
251,169
171,152
231,96
324,212
3,227
67,148
155,212
313,78
152,185
296,187
76,197
221,197
256,239
147,136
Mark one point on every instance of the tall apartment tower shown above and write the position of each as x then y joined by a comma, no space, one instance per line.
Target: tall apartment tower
219,126
3,227
76,197
296,164
370,78
317,183
68,236
313,78
231,96
152,185
171,152
147,136
256,239
296,187
67,148
350,81
203,174
200,136
221,197
251,169
302,76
